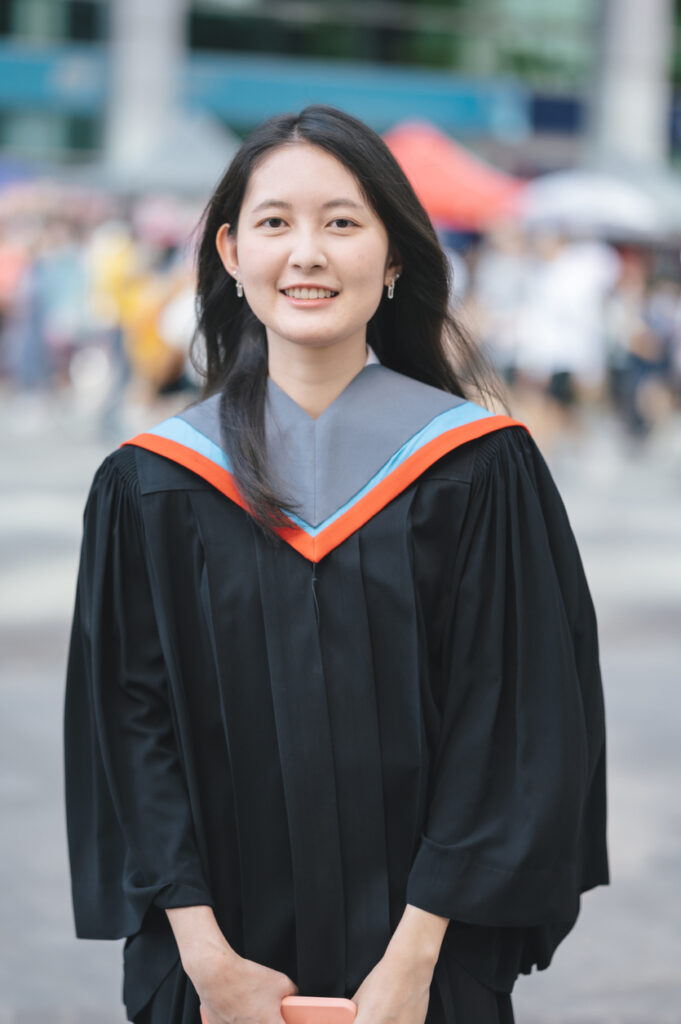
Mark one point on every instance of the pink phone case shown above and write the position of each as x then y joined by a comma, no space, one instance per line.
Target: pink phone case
314,1010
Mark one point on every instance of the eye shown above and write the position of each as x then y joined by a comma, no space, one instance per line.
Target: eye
344,222
271,222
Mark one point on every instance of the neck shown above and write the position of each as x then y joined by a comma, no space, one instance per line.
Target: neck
314,376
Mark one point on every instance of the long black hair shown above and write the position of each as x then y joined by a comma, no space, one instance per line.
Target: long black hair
414,334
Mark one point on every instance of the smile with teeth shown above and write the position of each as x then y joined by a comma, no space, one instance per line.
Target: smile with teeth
309,293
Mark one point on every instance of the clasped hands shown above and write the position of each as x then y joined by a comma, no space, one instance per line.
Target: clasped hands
234,990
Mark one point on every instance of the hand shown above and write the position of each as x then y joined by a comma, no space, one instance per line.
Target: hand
233,990
396,991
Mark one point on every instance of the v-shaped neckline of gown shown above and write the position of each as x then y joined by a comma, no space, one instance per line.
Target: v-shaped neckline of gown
301,413
322,463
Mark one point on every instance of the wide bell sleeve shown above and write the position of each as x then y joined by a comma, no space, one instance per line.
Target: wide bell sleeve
515,828
130,834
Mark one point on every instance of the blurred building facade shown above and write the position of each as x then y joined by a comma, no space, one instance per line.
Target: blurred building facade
499,72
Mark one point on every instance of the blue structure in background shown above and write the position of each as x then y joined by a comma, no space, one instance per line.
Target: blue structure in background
242,90
66,80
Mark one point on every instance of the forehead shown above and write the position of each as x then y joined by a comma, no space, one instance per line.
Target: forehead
298,172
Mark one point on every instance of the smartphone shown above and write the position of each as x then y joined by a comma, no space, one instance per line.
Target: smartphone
314,1010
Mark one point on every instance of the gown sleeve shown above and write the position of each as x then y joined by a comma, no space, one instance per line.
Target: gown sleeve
515,828
130,834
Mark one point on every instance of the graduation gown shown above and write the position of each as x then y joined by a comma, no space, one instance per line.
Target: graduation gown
399,701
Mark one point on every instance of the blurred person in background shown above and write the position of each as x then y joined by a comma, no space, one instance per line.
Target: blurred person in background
622,319
651,365
27,326
642,319
675,374
114,259
501,279
333,715
561,352
134,278
46,315
177,324
156,365
64,284
13,258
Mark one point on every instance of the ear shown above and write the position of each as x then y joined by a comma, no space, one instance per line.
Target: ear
226,247
393,268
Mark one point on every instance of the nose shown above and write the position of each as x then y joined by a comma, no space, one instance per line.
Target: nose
307,252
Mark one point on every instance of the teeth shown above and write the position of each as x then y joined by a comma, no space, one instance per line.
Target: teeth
309,293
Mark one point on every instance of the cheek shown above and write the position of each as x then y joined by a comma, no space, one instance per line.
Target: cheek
367,279
258,264
367,266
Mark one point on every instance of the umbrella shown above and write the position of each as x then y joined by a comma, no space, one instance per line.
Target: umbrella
457,189
594,203
663,185
190,157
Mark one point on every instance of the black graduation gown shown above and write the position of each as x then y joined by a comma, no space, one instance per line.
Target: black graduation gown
399,702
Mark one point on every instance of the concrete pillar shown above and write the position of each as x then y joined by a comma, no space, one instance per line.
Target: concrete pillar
147,48
632,91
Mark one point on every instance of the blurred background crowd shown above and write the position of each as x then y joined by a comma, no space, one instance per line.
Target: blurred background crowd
116,120
96,300
97,308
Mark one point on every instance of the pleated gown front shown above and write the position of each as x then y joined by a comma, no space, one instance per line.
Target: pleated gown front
400,702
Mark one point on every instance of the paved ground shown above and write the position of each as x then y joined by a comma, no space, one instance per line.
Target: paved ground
622,966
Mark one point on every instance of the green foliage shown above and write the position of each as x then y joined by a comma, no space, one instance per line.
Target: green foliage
431,49
517,37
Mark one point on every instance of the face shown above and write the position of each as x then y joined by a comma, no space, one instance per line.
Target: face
310,252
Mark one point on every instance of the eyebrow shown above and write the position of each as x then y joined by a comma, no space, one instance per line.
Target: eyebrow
283,205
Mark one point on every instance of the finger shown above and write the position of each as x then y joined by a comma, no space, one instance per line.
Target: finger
368,1015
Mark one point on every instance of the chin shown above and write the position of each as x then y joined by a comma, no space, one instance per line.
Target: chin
313,342
311,337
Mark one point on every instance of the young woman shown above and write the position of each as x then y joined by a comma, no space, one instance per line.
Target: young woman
334,717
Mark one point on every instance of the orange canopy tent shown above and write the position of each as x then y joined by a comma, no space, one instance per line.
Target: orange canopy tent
457,189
